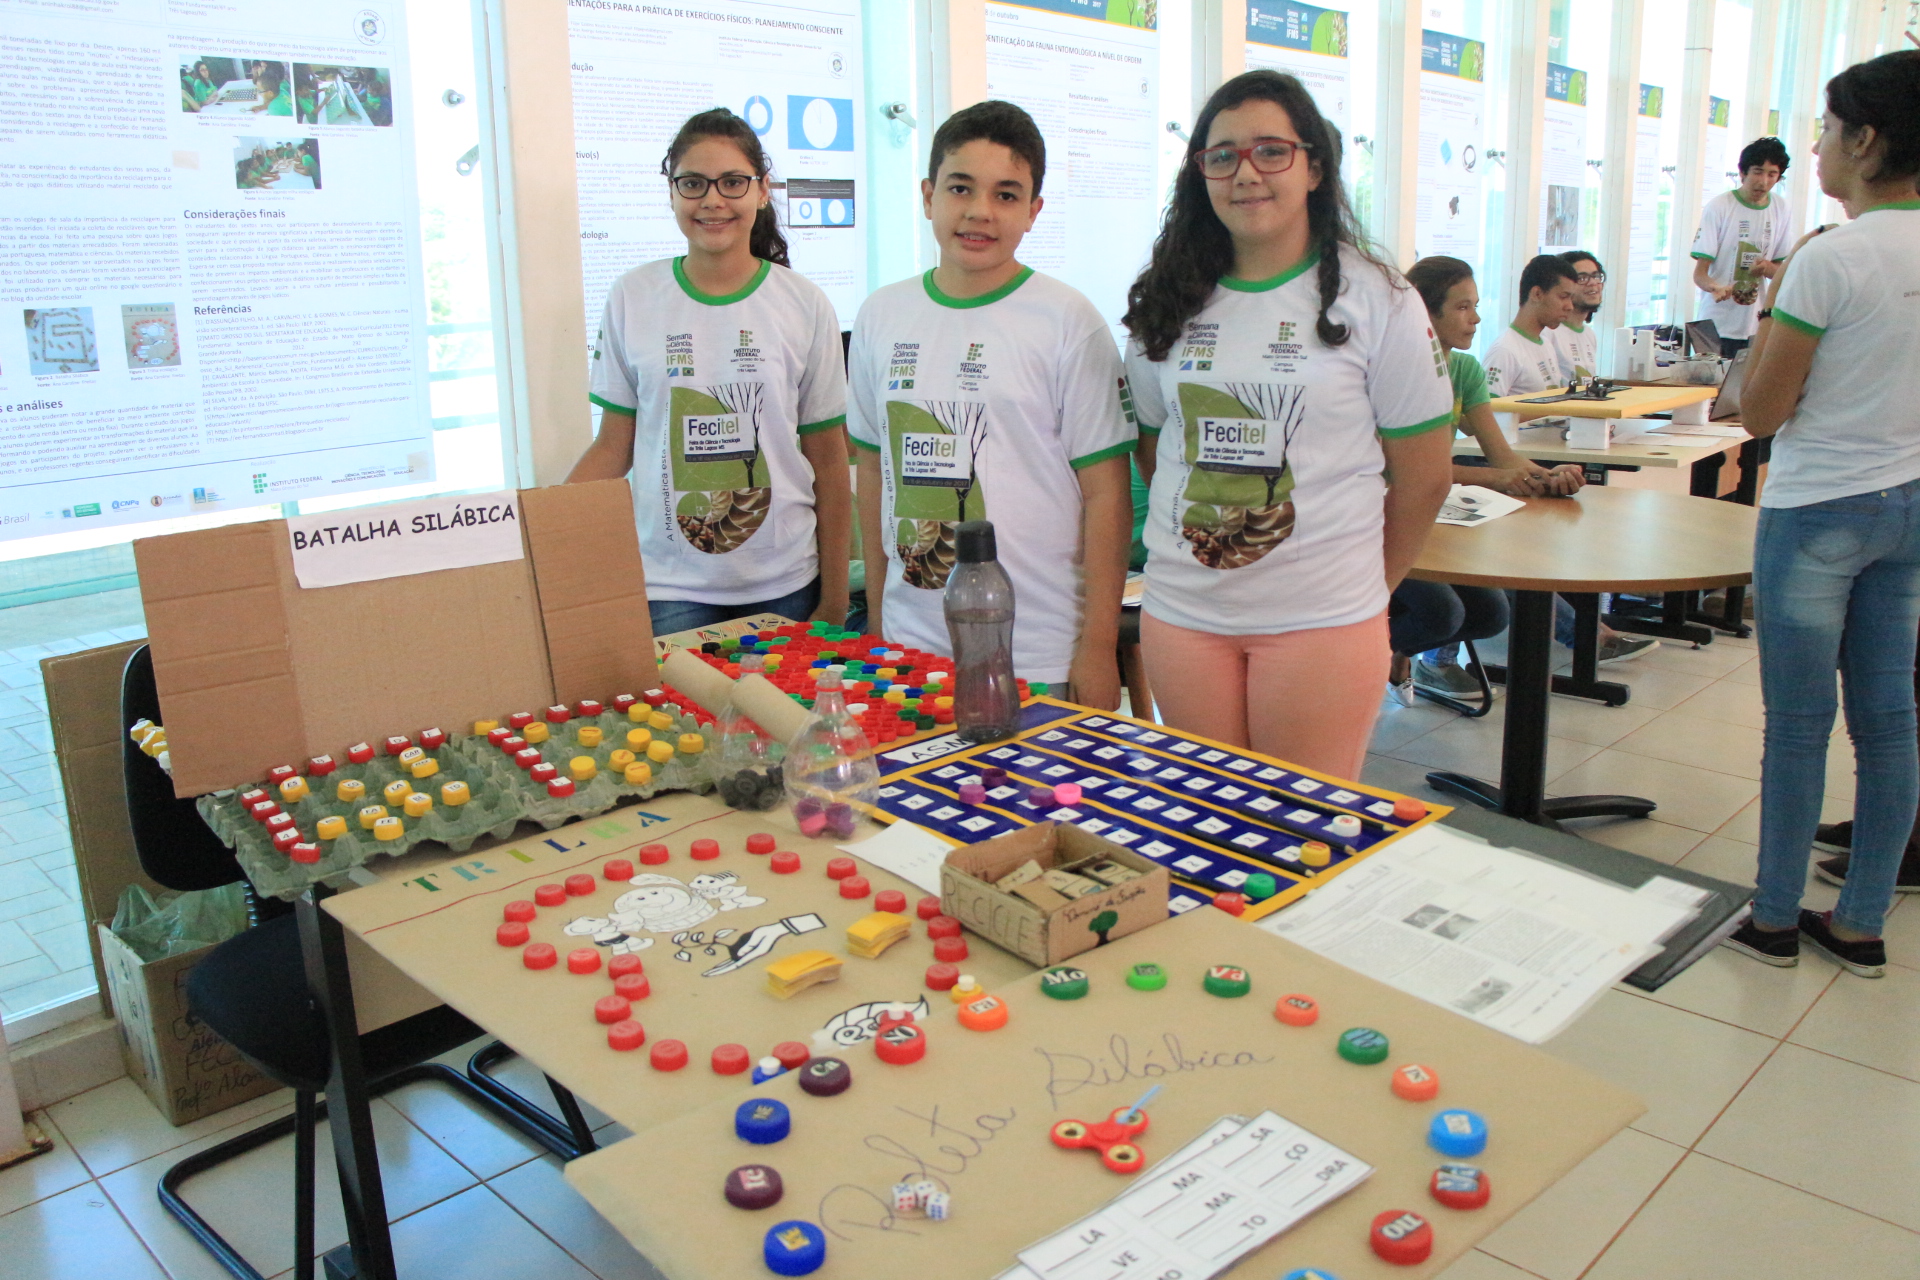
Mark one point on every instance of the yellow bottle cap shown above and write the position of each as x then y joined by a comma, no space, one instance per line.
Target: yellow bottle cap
535,732
660,720
481,728
388,829
424,769
349,789
411,754
454,793
945,704
887,673
619,760
396,791
639,712
591,735
330,828
660,752
293,790
639,738
692,743
1315,853
582,768
372,814
639,773
419,804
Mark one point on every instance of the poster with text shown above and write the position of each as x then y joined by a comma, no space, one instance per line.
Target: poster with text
1453,121
1307,43
1645,232
1088,72
210,276
1563,158
1716,160
791,71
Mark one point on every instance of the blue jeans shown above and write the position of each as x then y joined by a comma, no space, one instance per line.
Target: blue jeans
1436,617
670,616
1837,584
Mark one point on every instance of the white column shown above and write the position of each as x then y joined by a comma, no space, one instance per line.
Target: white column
1621,157
1396,148
1687,177
1526,43
1761,45
1219,48
954,52
1800,121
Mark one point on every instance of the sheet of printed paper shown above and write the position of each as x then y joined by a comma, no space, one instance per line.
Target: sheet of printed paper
1470,504
1195,1218
912,853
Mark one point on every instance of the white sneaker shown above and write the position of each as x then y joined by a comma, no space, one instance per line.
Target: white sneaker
1402,692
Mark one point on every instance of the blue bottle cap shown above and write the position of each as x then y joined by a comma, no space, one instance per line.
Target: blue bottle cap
1310,1273
878,650
795,1248
1457,1133
766,1069
820,664
764,1120
749,637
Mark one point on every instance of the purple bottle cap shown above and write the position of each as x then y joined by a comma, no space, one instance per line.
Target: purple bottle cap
840,820
972,793
1040,797
806,807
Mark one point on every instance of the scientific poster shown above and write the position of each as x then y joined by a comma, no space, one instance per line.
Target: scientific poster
1645,233
1563,158
210,279
791,71
1088,72
1308,43
1716,160
1453,118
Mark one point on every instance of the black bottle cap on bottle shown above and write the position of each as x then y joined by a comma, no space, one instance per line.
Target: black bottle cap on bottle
973,542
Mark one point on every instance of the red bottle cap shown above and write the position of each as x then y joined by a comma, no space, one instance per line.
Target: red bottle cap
1460,1186
589,708
652,855
512,745
550,895
498,735
943,927
396,744
654,697
285,838
927,908
791,1053
1297,1010
304,852
558,715
261,810
584,960
1234,904
1407,809
622,965
784,863
1402,1237
900,1043
278,822
949,950
760,842
841,868
612,1009
433,739
705,850
668,1055
280,773
890,900
621,701
527,757
1416,1083
511,934
320,766
941,977
731,1059
518,910
543,772
617,869
627,1035
360,752
252,796
519,720
855,887
632,986
540,955
560,788
579,886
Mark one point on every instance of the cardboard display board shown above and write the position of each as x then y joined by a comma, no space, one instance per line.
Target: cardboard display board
438,927
253,671
974,1116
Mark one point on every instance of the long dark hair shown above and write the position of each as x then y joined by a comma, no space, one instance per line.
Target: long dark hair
1434,278
1194,248
1883,92
718,122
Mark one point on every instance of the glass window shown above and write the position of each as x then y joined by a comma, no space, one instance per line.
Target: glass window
1661,71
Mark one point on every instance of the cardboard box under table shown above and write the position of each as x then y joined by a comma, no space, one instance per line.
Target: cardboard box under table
974,1115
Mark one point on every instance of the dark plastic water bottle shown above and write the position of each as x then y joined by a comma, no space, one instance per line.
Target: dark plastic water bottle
979,606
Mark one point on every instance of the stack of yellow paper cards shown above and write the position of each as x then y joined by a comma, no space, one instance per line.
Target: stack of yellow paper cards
801,970
870,935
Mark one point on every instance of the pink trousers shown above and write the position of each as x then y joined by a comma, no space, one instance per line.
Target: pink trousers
1306,697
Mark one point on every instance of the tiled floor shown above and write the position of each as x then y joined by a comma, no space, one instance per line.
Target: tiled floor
1781,1140
44,958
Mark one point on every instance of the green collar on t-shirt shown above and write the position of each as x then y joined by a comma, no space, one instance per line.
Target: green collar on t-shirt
1538,342
1748,203
719,299
1908,205
1271,282
1574,325
993,295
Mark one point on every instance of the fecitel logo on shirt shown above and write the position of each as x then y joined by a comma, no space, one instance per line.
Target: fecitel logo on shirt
935,449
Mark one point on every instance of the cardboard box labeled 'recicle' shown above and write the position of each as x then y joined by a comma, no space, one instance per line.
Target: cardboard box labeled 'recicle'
1042,937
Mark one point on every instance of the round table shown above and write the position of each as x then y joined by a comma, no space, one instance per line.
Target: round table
1601,539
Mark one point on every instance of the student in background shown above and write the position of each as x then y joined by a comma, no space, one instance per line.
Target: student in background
1836,558
198,88
722,390
1296,470
1521,360
1743,236
984,390
1576,342
276,98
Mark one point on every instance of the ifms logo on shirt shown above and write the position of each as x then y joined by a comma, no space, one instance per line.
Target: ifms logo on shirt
1196,354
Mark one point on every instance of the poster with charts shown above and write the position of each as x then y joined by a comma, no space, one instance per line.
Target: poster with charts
791,71
1310,44
1453,147
1563,158
1088,71
1716,158
211,294
1645,232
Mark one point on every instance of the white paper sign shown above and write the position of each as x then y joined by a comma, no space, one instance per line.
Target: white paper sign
405,538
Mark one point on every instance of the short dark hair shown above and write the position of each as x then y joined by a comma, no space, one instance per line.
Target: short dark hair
1435,277
1574,257
1545,271
1764,151
1883,92
991,121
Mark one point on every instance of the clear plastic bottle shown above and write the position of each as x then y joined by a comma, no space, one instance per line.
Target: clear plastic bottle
746,766
979,606
829,766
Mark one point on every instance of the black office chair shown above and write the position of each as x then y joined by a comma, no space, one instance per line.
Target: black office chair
252,991
1472,710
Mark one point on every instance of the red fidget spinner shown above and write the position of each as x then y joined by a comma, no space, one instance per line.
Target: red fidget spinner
1112,1138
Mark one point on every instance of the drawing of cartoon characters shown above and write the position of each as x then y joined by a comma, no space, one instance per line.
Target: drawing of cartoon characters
662,904
862,1022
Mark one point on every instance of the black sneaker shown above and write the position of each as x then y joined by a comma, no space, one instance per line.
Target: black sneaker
1834,871
1834,837
1777,947
1867,958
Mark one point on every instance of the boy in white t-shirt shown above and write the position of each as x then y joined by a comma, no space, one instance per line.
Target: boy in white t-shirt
1521,360
1742,241
1577,342
983,390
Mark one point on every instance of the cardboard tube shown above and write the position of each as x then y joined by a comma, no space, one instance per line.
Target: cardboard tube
780,716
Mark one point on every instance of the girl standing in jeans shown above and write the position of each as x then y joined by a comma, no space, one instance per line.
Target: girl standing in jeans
1837,556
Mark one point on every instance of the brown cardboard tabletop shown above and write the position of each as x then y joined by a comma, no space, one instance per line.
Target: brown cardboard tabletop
974,1114
435,921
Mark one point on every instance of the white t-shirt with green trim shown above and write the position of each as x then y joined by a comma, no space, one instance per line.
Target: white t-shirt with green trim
1733,236
1857,426
1265,514
722,389
1577,349
983,409
1518,365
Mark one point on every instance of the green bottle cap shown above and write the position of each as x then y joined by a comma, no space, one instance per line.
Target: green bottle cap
1064,983
1146,977
1363,1045
1038,688
923,722
1228,980
1260,885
